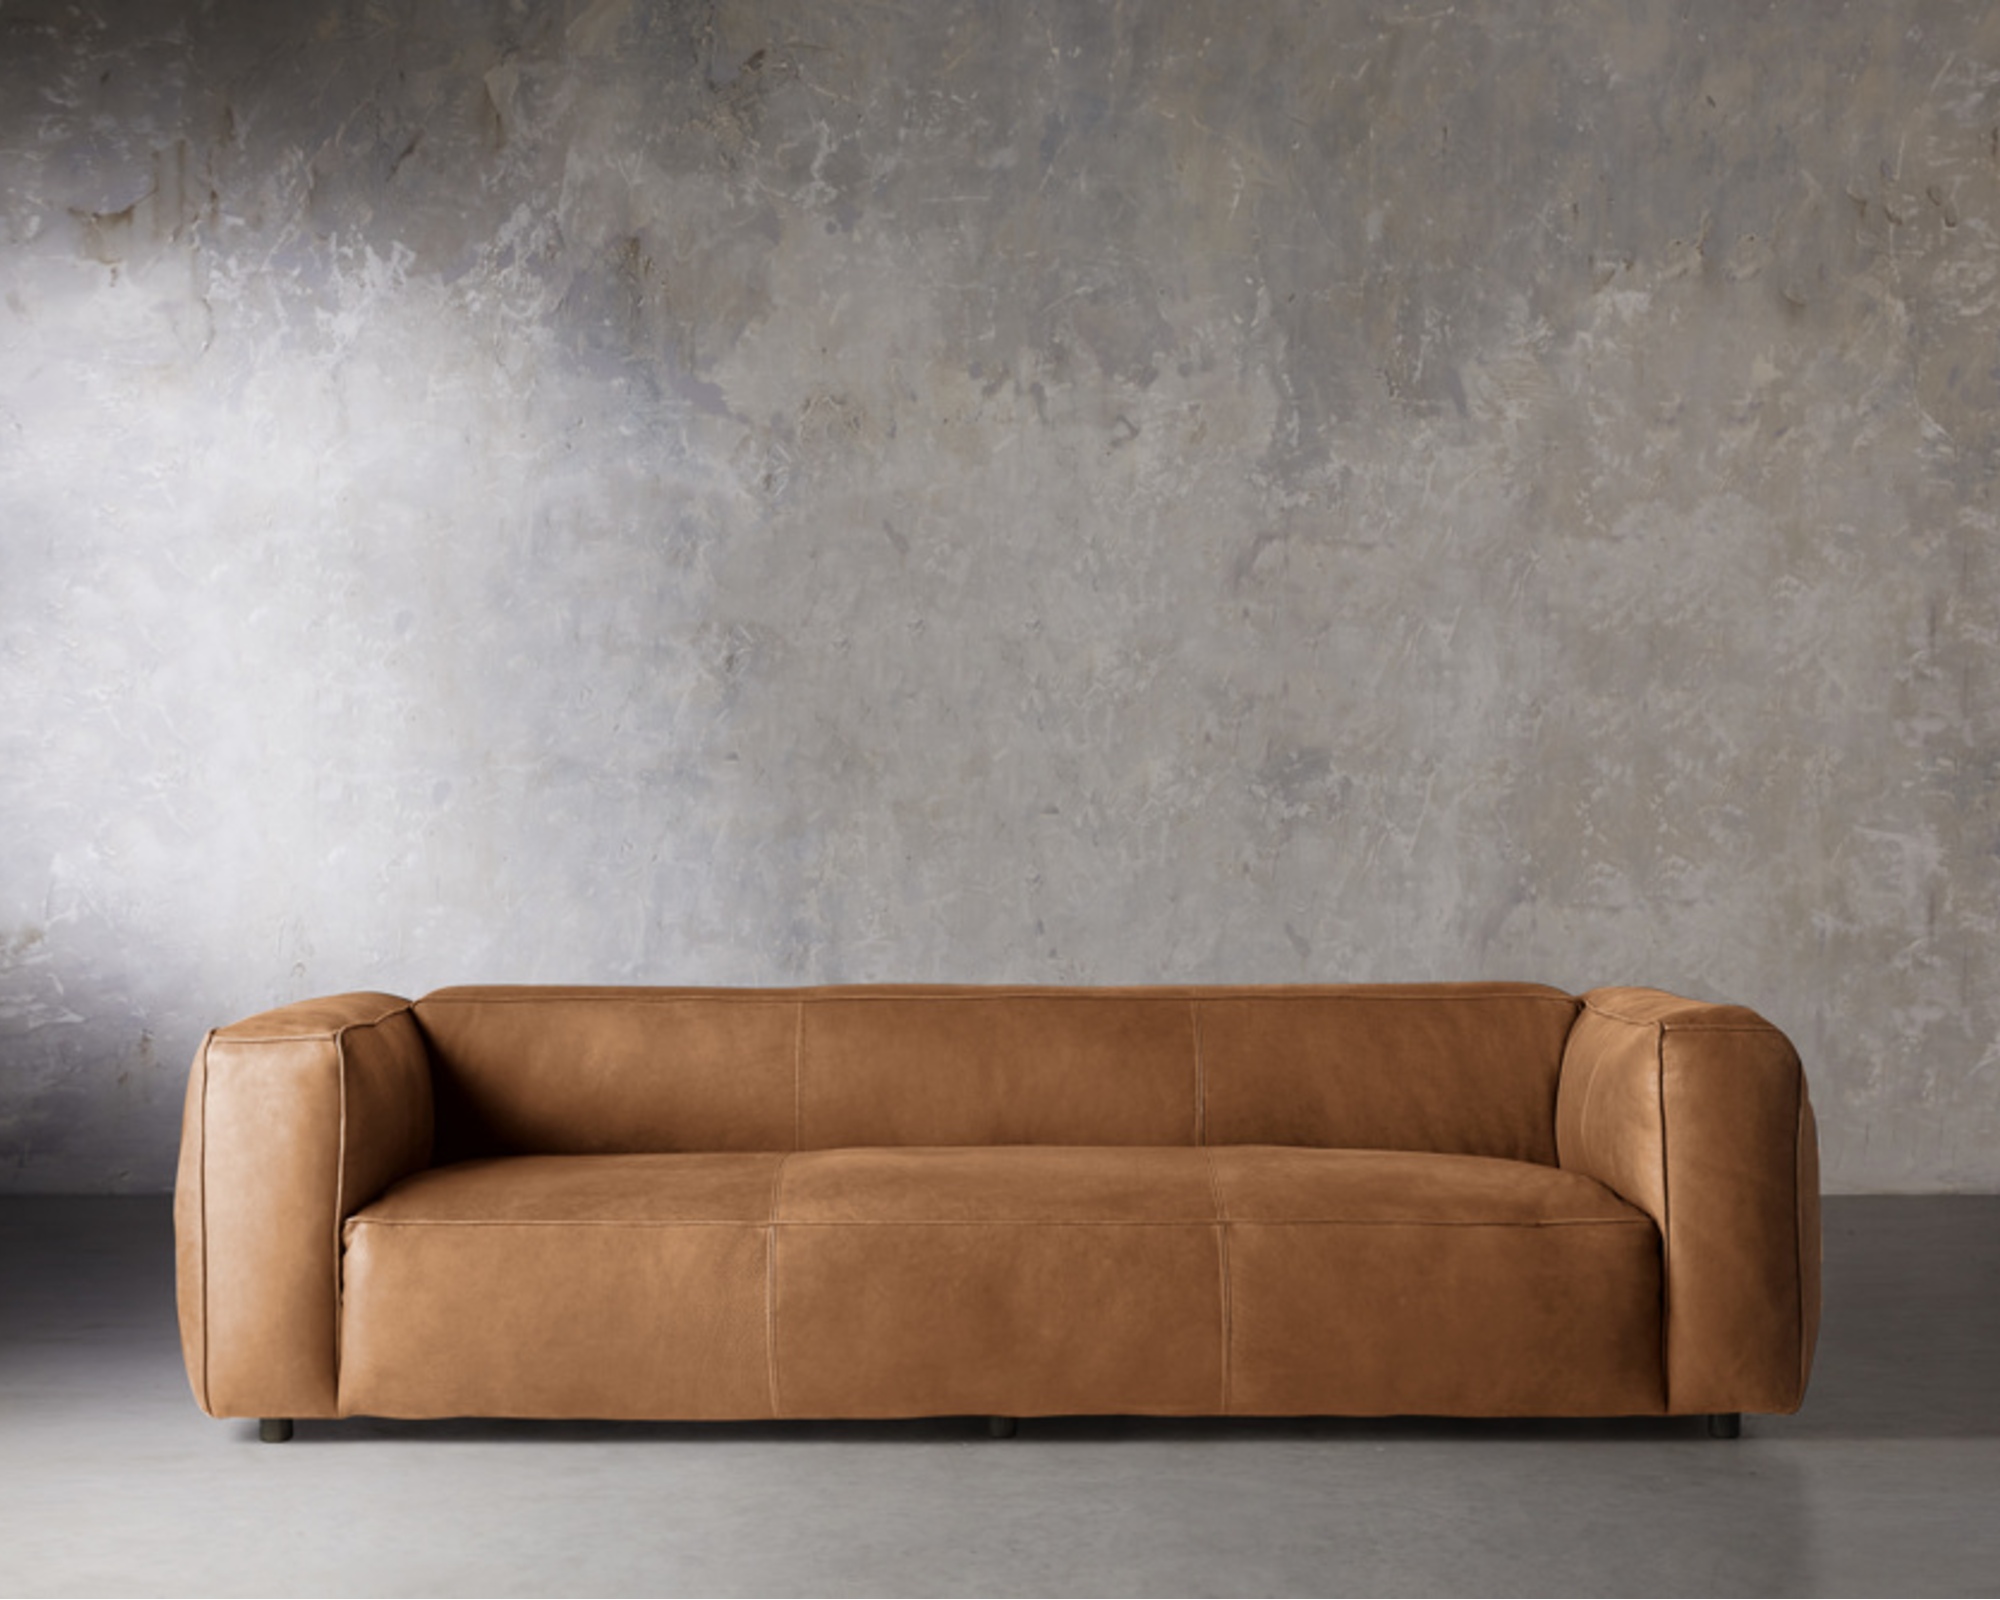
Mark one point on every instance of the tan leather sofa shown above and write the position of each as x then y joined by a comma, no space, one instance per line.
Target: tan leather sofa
1470,1200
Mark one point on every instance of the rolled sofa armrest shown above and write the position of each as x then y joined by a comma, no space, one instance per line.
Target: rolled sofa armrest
1698,1114
294,1119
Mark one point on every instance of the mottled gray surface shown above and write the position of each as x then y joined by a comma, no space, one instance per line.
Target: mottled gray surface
791,491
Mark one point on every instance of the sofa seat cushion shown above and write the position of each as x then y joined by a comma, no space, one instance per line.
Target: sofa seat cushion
628,1286
1017,1280
1378,1282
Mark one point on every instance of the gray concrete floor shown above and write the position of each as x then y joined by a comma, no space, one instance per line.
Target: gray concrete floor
1887,1483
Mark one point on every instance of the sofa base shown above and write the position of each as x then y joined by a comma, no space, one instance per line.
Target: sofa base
1721,1425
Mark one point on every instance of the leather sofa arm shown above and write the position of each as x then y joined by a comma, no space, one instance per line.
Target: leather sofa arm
294,1119
1698,1114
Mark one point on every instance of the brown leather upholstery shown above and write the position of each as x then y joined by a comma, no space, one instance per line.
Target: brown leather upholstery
1698,1114
1019,1280
563,1286
892,1067
1486,1287
574,1071
1461,1199
1467,1069
294,1119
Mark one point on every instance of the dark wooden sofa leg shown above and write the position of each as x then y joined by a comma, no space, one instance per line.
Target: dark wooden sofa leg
1000,1427
274,1430
1725,1424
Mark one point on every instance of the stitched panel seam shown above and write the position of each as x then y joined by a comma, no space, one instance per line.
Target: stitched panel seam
556,994
339,1202
986,1222
1413,1222
1719,1027
1200,1076
1666,1224
1586,1093
776,1204
1589,1119
799,1080
553,1222
1669,1026
1165,994
202,1212
1799,1223
1222,1271
334,1032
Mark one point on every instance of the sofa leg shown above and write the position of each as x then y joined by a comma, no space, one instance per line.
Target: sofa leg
274,1430
1725,1424
1001,1427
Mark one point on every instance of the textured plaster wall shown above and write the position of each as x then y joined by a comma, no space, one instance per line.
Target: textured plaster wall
1043,490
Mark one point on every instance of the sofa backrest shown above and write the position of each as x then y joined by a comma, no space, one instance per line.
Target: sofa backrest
1462,1068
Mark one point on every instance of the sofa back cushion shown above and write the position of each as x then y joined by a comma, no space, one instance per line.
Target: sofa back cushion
599,1071
998,1067
1461,1068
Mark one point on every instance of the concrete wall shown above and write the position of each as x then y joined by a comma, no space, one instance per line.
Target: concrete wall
800,490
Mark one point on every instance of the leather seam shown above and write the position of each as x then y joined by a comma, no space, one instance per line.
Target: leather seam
987,1222
1585,1120
1165,994
229,1037
775,1204
552,1222
799,1079
1592,1095
1222,1269
1200,1076
208,1039
1667,1026
339,1203
1000,1222
1799,1223
1666,1224
1409,1222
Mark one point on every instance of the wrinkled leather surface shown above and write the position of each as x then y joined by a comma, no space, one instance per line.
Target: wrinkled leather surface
1698,1114
293,1118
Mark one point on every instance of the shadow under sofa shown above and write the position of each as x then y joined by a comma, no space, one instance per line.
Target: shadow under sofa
1467,1200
